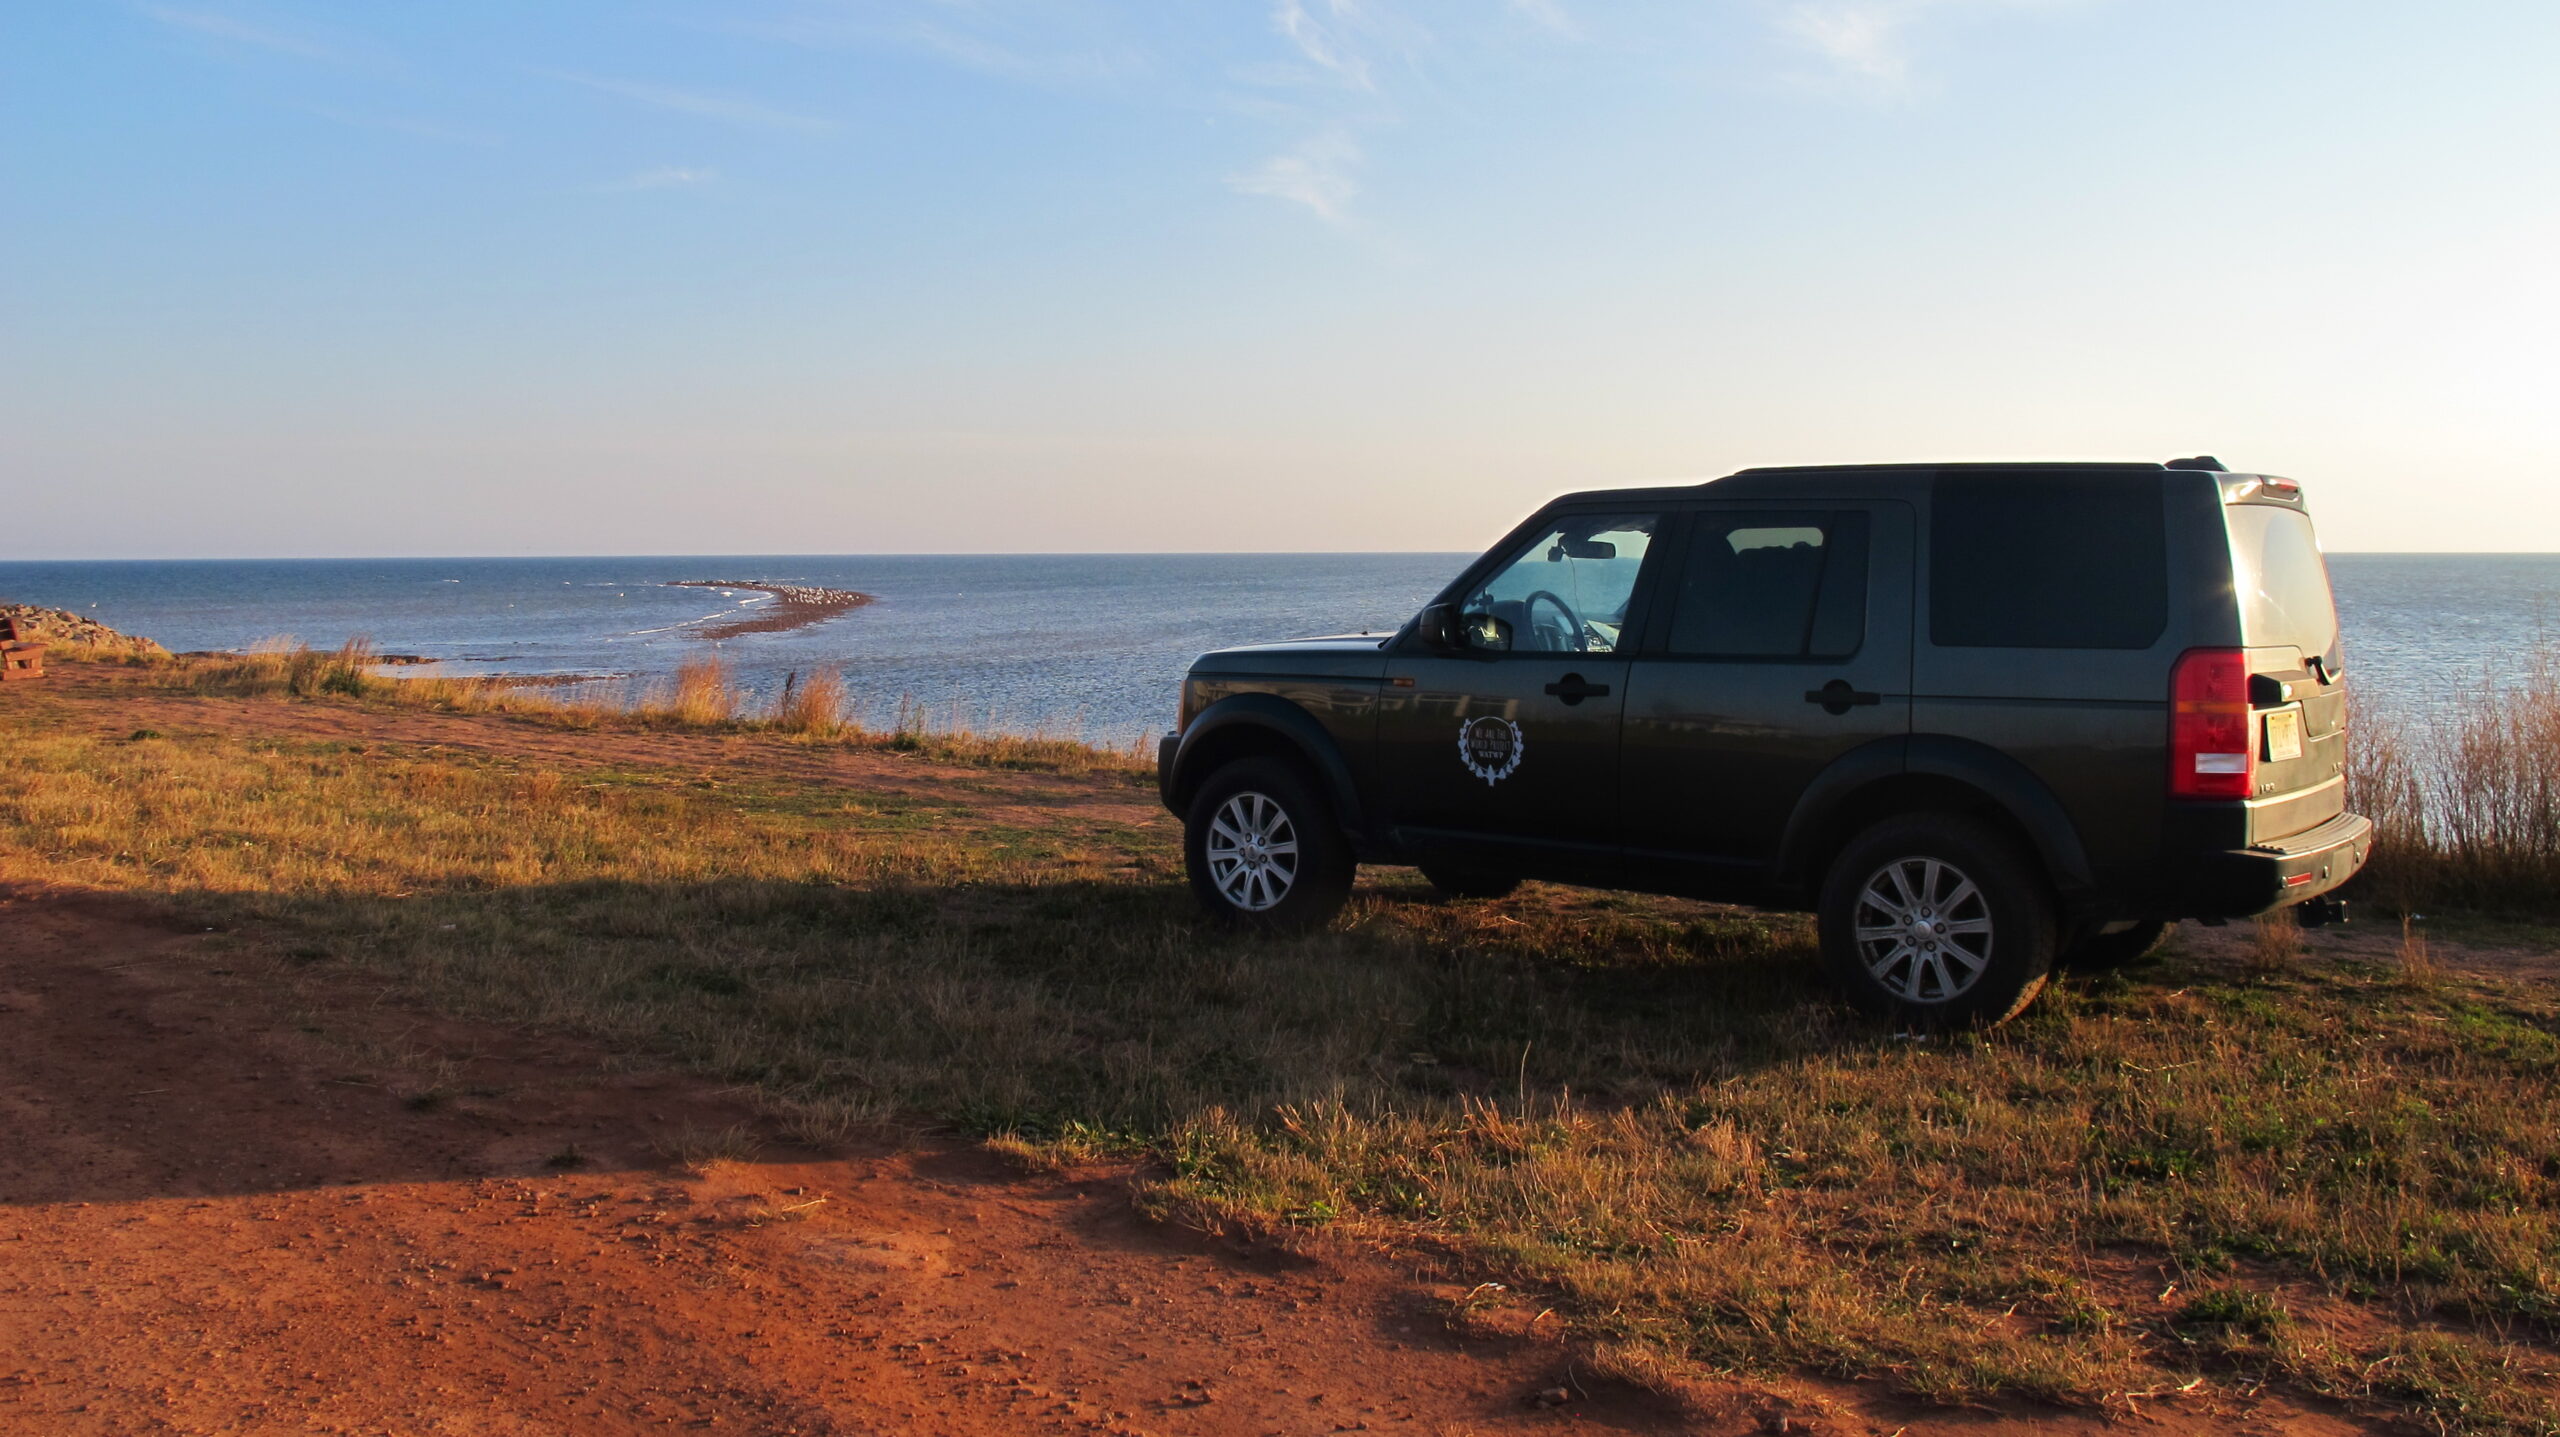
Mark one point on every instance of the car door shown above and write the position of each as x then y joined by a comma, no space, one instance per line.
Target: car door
1504,751
1781,642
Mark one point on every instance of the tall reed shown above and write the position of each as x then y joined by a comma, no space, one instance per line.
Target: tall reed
813,706
282,665
2465,792
703,694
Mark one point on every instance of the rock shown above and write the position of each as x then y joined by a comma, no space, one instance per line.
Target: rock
75,631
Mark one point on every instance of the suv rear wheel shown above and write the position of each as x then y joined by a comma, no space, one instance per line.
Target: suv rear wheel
1262,849
1937,921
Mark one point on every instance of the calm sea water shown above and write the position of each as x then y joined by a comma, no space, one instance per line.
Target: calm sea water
1084,644
1091,645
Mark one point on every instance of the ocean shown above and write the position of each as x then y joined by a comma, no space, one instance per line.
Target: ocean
1091,646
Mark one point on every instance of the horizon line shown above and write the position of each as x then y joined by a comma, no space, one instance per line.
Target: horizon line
1006,554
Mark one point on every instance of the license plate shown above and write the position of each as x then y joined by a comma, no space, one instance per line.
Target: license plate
2284,735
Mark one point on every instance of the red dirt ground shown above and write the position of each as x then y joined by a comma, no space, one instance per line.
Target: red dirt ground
242,1197
213,1220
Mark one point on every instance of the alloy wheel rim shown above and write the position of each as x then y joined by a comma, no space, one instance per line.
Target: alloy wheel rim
1923,930
1253,852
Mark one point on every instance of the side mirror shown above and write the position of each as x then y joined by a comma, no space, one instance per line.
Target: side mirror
1438,626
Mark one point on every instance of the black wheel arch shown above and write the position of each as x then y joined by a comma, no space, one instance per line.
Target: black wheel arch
1939,774
1263,725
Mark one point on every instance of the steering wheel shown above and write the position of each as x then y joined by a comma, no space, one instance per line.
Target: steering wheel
1574,630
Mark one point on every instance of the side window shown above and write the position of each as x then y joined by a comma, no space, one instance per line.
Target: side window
2047,561
1565,591
1774,586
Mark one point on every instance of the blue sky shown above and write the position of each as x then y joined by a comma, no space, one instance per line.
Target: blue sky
287,278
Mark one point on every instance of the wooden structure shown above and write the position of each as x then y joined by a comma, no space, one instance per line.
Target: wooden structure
21,657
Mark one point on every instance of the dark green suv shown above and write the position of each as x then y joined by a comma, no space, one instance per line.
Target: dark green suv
1980,718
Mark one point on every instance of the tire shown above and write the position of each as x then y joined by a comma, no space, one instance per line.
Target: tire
2105,952
1470,882
1263,851
1937,921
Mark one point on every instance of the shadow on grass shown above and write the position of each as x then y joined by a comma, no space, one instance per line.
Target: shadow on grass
1096,1018
1648,1109
1090,1008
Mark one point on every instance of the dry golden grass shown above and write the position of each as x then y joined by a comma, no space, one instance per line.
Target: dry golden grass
1645,1113
285,666
703,694
2467,797
814,708
2275,943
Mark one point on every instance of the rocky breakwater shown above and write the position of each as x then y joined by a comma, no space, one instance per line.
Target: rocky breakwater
76,637
794,606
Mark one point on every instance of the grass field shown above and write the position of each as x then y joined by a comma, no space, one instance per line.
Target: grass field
2344,1180
701,695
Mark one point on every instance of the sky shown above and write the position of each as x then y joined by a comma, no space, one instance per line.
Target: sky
289,278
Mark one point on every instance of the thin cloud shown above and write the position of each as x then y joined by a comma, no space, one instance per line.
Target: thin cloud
1051,48
1859,40
223,27
1548,14
665,177
1866,43
1315,174
1323,42
985,56
728,109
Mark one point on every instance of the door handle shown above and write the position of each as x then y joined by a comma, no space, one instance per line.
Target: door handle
1573,690
1836,697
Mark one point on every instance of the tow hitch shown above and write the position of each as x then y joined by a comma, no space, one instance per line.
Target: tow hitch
2321,912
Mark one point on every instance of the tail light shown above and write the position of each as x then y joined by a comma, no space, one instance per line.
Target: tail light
2213,751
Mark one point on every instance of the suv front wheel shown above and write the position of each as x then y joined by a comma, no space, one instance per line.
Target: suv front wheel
1262,849
1937,921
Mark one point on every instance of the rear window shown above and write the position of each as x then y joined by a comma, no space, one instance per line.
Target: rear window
2282,581
2047,561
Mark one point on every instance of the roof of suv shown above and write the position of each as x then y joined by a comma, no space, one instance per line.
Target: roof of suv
1822,481
2041,466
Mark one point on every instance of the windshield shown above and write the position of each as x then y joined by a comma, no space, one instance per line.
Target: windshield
2282,581
1565,591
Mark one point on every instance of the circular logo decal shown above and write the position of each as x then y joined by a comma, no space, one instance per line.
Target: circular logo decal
1490,747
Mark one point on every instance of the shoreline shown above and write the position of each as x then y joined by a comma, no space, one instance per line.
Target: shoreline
795,606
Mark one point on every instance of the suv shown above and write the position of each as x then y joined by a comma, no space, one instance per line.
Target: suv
1979,718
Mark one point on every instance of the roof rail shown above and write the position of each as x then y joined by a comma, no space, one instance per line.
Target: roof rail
2037,466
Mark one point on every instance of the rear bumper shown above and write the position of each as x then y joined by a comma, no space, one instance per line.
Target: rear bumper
2277,874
